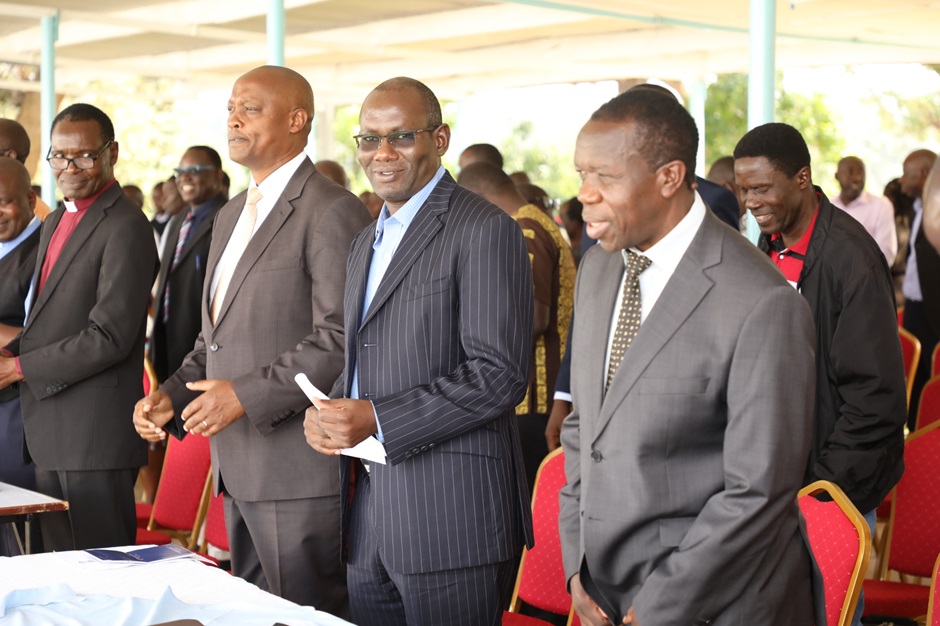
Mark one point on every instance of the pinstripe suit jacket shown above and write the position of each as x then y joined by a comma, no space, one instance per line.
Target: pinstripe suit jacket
682,479
282,314
443,355
81,349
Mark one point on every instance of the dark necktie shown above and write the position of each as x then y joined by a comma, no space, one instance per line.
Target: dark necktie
628,322
177,253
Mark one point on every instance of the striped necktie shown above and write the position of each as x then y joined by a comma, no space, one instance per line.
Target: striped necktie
177,253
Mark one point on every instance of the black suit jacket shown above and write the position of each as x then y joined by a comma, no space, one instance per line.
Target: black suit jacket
82,347
16,272
173,340
443,352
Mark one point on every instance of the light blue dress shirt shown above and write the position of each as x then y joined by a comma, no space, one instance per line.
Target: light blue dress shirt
389,231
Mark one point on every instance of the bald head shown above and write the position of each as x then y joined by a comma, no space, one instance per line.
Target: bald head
270,117
334,171
481,152
14,142
916,167
432,108
491,182
17,199
722,172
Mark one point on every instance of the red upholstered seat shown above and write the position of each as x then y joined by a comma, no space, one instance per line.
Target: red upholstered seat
928,411
146,537
914,530
541,582
215,532
518,619
840,541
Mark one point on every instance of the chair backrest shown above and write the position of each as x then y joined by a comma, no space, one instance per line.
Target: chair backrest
541,582
914,527
935,361
182,492
910,347
215,532
933,609
840,540
928,410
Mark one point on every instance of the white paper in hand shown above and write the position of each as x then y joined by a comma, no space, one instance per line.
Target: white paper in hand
369,449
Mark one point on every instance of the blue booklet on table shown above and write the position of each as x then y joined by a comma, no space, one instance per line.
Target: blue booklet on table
144,555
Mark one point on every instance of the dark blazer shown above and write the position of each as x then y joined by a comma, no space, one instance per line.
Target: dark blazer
283,314
81,349
928,273
16,273
682,479
861,396
443,353
172,340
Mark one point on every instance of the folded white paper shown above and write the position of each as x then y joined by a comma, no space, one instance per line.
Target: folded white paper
369,449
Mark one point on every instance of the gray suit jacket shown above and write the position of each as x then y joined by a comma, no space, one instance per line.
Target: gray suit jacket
682,480
443,355
283,314
82,347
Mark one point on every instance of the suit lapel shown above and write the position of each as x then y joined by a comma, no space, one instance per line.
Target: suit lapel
204,227
86,226
427,222
263,236
685,290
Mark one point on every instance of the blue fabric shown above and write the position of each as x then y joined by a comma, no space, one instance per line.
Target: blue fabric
9,246
58,604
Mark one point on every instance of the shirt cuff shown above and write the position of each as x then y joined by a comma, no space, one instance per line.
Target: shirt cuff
19,370
378,425
561,395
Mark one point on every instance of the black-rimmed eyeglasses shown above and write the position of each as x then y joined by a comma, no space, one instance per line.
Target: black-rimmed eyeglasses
83,162
398,139
192,170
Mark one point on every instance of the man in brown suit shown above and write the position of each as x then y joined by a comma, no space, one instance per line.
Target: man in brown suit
272,307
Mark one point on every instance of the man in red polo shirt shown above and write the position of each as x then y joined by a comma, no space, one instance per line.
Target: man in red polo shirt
861,404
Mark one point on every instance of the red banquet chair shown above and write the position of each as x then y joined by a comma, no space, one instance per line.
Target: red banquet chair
933,609
541,581
913,532
910,347
179,507
935,362
215,533
840,541
928,411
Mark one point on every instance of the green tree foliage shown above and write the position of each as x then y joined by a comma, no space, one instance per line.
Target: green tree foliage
547,165
726,122
917,117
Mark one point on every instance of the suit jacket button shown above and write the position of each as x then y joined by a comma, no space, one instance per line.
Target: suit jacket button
407,454
596,456
424,448
214,347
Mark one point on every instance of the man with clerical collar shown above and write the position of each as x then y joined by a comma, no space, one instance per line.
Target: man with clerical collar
861,403
19,240
78,357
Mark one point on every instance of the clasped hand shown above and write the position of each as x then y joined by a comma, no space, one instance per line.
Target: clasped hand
207,415
331,425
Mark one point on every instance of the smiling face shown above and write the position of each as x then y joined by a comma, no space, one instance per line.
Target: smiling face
779,203
198,188
851,177
72,139
17,199
623,200
398,173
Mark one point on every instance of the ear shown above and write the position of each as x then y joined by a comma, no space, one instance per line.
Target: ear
114,153
804,178
671,178
442,139
298,120
32,201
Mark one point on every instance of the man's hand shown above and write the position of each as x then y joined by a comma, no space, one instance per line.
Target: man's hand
630,617
346,421
316,436
560,410
212,411
8,373
151,413
587,609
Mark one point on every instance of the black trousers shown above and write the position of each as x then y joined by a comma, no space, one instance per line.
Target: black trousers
915,321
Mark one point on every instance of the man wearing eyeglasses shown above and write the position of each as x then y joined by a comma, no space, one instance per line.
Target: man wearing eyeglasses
177,304
272,307
78,358
438,332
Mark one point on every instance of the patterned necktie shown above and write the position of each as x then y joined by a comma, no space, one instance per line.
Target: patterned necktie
239,241
628,322
177,253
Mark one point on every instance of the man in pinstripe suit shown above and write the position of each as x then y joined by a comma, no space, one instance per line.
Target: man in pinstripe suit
438,333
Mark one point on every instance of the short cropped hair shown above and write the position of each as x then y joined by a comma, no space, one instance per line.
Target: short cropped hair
779,143
431,104
210,152
666,131
81,112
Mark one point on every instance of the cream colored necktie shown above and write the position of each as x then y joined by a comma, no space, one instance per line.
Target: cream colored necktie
239,241
628,322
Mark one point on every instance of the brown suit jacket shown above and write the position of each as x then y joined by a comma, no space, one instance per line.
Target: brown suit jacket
82,347
283,314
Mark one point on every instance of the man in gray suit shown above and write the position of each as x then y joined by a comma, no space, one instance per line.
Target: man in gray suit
692,380
79,358
438,336
272,307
